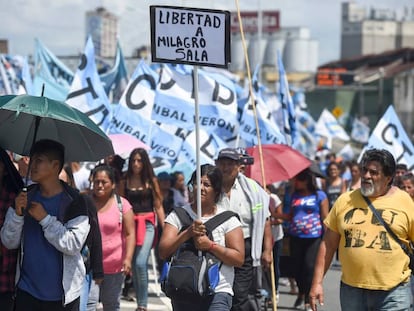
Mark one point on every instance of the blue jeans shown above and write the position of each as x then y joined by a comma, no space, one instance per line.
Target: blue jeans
93,298
140,266
218,302
84,297
359,299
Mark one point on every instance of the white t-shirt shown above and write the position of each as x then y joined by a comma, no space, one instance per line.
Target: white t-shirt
81,178
225,284
277,230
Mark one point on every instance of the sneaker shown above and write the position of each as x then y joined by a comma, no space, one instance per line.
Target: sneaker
299,303
284,282
127,298
307,307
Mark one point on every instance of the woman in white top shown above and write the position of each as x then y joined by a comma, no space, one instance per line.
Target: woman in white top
227,244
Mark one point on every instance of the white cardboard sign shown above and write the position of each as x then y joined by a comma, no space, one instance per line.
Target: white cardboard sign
190,36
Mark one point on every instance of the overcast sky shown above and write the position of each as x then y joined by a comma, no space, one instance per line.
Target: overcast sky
60,24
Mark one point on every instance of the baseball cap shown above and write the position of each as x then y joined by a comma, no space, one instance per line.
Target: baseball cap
230,153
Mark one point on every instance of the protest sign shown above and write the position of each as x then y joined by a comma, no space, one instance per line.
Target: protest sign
190,36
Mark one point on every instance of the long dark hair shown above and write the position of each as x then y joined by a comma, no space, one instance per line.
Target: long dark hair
308,176
148,177
12,181
147,173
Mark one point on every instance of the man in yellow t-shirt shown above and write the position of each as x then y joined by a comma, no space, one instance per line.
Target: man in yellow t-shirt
375,272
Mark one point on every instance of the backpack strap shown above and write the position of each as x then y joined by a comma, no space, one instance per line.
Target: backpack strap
217,220
121,210
184,217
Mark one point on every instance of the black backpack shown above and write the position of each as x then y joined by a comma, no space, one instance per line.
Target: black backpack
188,275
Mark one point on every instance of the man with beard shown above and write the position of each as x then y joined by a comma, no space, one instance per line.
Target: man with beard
375,272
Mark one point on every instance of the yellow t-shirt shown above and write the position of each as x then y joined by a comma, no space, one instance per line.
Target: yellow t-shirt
369,256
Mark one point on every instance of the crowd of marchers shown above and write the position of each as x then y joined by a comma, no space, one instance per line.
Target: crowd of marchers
74,239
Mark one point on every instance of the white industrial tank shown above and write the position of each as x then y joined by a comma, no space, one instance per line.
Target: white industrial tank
295,55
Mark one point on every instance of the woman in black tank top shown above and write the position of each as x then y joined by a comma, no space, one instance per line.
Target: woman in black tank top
140,187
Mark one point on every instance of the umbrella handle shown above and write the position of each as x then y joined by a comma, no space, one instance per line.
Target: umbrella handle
37,121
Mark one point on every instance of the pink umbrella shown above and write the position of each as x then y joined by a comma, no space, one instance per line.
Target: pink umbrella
124,143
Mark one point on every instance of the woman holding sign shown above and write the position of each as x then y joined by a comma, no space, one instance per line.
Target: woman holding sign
225,244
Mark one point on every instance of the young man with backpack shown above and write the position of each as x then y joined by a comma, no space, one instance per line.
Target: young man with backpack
224,245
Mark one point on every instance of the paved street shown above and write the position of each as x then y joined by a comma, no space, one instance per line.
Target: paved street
331,288
158,301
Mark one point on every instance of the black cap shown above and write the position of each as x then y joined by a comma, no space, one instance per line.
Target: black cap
230,153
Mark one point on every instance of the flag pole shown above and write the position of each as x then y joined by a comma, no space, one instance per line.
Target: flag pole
259,144
197,145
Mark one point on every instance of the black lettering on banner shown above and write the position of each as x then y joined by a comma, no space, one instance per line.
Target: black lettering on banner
182,133
167,85
101,109
205,145
271,137
88,89
158,162
390,126
250,106
128,96
405,150
164,150
58,73
218,98
83,62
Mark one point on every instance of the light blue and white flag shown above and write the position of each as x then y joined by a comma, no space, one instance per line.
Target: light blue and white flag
389,134
9,81
125,121
87,93
306,142
174,102
140,92
210,145
269,130
165,144
116,79
347,153
288,108
52,73
329,127
27,80
360,131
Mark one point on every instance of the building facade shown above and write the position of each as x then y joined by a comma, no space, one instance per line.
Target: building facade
382,30
102,26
